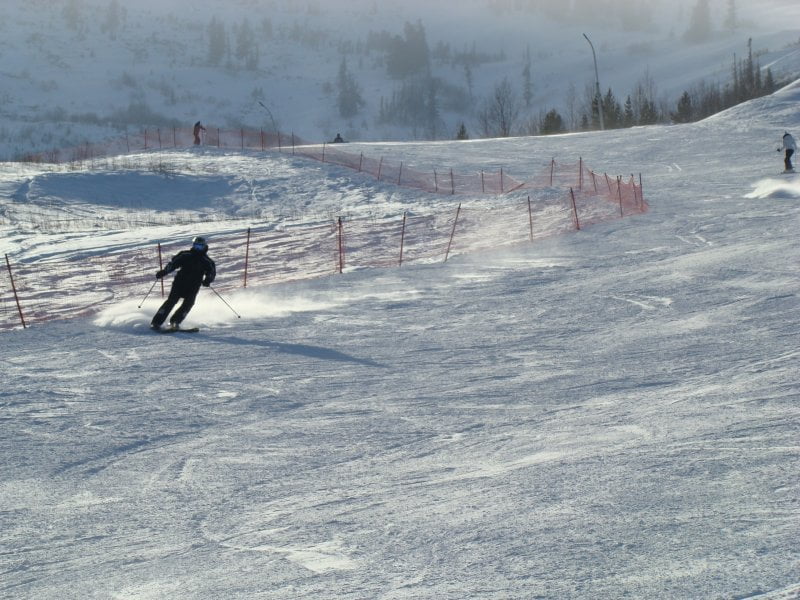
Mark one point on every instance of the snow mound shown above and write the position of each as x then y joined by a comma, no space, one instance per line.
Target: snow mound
776,188
210,311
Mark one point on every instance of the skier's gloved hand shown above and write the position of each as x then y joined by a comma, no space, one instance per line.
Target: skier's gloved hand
160,274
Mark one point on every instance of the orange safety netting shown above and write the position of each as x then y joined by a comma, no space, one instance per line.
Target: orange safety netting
561,197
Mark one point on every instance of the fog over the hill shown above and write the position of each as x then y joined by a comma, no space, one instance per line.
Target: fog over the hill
85,70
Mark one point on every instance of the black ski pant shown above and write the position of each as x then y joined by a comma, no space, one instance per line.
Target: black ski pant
176,293
787,162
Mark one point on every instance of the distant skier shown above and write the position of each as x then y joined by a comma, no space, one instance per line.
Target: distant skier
198,127
790,147
195,268
338,139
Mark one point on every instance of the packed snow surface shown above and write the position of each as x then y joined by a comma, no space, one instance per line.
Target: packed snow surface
607,413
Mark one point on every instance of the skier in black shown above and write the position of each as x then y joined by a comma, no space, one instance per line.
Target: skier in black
195,268
198,127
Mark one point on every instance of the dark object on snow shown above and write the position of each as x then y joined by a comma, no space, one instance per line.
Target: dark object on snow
176,330
338,139
195,268
198,127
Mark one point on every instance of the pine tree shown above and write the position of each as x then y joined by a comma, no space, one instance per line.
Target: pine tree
468,78
769,82
349,97
612,111
246,47
683,114
433,114
644,103
552,123
217,42
629,118
699,24
527,86
462,132
408,55
749,74
649,114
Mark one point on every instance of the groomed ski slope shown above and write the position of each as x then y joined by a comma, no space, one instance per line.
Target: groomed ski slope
612,413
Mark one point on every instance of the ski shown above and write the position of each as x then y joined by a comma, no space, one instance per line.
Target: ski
170,330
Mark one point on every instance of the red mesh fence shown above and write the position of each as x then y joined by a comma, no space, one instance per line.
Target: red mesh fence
562,197
439,181
81,283
166,138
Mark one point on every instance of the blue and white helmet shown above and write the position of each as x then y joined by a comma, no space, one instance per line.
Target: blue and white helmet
199,244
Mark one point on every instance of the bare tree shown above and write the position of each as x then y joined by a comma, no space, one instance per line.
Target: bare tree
644,100
571,107
500,111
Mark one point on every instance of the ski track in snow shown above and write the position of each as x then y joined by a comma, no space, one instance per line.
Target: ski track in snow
605,413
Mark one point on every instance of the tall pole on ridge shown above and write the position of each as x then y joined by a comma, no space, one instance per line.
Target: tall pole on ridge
271,118
597,84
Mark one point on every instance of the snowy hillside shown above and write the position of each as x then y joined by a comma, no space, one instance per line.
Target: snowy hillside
77,70
605,413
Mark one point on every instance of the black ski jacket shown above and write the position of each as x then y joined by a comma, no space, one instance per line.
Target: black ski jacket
194,268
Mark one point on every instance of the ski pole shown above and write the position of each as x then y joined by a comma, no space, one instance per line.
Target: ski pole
148,293
226,303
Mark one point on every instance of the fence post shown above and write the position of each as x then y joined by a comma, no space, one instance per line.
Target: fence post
246,256
158,133
594,181
400,173
641,192
619,193
127,142
380,166
160,266
530,216
575,210
341,246
608,182
552,168
483,183
580,173
323,151
219,141
16,296
452,233
501,180
402,239
435,182
174,138
360,161
452,184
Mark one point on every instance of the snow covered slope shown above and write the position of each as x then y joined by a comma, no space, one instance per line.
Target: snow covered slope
608,413
77,70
